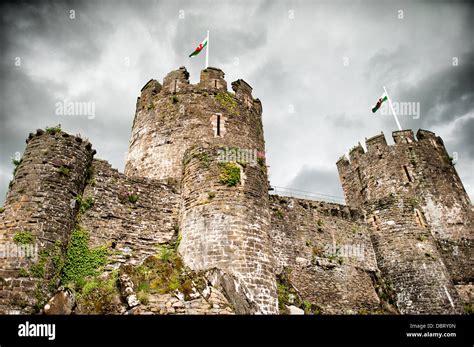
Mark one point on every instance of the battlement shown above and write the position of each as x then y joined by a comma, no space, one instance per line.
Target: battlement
378,142
161,131
212,79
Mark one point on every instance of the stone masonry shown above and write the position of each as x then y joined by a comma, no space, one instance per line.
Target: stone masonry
195,183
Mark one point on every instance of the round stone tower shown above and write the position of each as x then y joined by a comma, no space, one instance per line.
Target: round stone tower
211,141
421,216
172,117
39,215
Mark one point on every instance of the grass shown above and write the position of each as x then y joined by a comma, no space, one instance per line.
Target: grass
53,130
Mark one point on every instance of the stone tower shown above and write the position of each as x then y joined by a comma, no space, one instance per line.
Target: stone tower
421,217
40,210
172,117
195,135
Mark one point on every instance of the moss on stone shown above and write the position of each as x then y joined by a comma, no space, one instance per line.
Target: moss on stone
99,295
230,174
23,238
227,101
64,171
23,272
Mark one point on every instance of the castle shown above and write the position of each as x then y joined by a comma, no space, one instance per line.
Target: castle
403,244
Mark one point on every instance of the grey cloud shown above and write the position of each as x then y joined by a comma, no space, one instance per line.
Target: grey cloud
294,62
319,180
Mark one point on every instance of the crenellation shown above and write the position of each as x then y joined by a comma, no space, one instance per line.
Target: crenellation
403,136
212,80
376,143
402,244
176,81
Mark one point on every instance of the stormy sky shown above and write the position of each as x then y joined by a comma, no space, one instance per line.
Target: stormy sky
316,66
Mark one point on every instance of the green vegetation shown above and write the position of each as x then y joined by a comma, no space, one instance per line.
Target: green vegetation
99,295
133,198
469,308
16,163
227,100
279,214
84,203
90,180
150,106
355,228
320,224
63,170
23,272
203,158
421,238
53,130
81,261
23,238
174,99
230,174
288,295
211,195
165,273
414,202
2,209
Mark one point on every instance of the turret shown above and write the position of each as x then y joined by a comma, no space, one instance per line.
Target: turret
180,115
420,213
39,215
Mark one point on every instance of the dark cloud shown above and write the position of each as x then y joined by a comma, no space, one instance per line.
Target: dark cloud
315,108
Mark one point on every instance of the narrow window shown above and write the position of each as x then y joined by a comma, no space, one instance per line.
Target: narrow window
175,85
215,83
407,173
218,125
359,175
375,223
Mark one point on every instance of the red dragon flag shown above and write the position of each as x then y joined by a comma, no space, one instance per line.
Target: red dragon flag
199,48
204,43
383,98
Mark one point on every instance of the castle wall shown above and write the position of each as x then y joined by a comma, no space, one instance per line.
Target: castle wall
327,251
171,118
227,227
40,203
395,185
132,230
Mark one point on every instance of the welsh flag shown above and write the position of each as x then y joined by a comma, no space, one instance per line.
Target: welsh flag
200,47
379,103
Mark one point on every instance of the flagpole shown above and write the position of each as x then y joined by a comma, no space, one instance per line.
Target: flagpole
207,51
391,106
